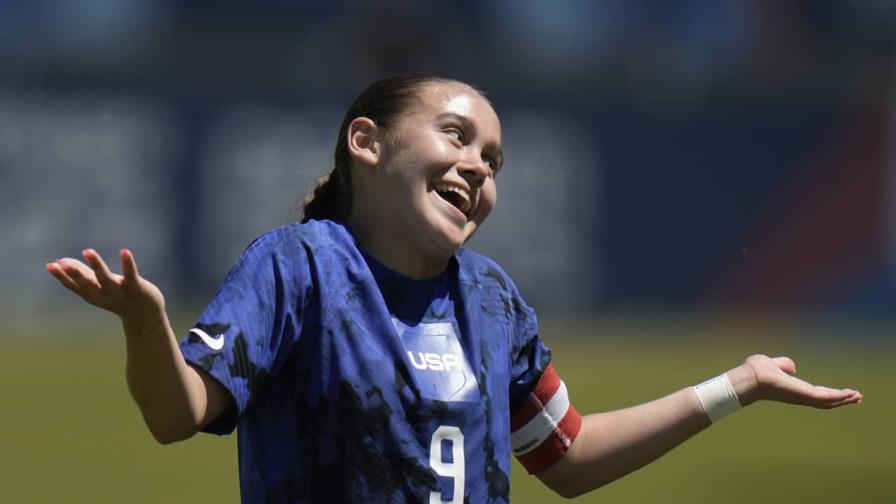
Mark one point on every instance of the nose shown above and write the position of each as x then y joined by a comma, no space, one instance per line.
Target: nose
475,171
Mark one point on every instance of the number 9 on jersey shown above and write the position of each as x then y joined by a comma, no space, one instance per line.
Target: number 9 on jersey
453,469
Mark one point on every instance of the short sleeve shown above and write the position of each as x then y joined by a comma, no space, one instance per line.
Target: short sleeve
248,329
529,355
543,422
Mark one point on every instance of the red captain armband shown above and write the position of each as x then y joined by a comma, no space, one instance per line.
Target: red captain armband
546,425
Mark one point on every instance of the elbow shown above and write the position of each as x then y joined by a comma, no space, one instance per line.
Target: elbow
566,493
165,438
168,437
169,434
171,425
572,491
570,484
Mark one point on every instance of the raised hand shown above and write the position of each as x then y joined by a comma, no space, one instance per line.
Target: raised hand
176,399
763,377
127,294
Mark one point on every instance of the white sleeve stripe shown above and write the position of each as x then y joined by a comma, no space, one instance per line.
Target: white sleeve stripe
542,425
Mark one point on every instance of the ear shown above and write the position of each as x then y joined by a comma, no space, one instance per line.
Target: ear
363,141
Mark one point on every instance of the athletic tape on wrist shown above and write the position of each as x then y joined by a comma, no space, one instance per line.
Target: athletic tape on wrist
717,397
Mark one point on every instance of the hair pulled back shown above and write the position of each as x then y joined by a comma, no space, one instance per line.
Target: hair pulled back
380,102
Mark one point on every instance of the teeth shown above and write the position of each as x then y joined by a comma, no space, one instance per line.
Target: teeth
465,202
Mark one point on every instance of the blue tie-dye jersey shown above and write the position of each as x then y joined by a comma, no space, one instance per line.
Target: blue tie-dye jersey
354,383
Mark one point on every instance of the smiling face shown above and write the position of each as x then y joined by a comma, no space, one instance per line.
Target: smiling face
431,182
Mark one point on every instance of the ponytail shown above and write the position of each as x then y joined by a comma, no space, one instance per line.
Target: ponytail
330,199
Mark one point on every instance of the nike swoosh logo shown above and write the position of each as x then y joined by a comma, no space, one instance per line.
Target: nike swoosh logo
213,343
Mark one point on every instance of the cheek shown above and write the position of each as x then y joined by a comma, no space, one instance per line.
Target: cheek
423,156
488,197
442,152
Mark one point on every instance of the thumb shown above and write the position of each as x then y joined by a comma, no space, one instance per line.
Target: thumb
128,266
785,364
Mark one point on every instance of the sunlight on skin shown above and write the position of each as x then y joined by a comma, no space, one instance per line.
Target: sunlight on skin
458,104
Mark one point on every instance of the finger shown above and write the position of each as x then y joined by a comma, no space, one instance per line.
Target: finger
128,265
832,395
855,398
785,364
103,275
80,273
56,270
824,397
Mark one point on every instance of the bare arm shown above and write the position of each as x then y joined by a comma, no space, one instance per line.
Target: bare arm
611,445
176,399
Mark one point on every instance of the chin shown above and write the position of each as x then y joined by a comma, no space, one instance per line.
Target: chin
455,242
469,231
450,239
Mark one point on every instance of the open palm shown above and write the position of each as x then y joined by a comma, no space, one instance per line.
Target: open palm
126,294
775,381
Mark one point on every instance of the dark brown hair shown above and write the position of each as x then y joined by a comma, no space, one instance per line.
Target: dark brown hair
381,102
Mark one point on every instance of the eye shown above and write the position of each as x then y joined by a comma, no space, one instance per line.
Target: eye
455,133
492,164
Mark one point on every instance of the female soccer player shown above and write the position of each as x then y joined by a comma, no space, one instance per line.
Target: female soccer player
367,357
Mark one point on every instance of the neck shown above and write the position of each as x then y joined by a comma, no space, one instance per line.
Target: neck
396,253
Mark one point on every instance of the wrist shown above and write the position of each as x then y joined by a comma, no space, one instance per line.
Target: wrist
717,397
745,384
144,322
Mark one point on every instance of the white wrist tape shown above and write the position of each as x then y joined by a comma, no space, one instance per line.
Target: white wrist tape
717,397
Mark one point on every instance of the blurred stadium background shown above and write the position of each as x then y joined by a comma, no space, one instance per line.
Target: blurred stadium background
687,182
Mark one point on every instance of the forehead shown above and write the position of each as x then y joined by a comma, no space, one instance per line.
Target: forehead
440,98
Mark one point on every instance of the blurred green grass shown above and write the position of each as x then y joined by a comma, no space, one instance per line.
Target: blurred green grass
69,431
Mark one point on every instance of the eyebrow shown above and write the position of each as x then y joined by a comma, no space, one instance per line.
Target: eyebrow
468,124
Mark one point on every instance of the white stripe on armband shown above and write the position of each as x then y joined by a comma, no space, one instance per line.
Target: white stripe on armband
717,397
542,425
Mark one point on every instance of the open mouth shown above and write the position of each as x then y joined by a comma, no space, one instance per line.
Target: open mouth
458,198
